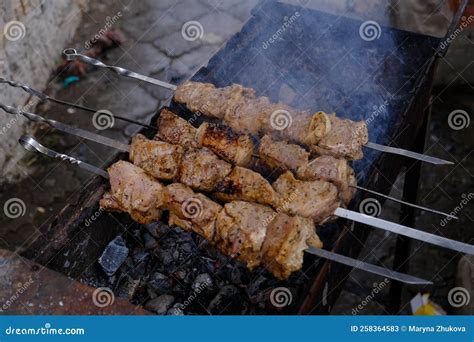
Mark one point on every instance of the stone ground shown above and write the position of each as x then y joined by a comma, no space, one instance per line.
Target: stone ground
156,47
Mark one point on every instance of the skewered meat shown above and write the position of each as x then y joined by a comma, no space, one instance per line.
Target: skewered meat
336,171
314,199
345,139
235,147
191,211
243,112
251,232
206,99
159,159
203,170
280,154
246,185
241,230
287,238
134,192
175,130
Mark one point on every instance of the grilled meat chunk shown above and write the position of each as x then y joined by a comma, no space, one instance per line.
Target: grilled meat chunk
334,170
287,238
344,140
313,199
159,159
134,192
235,148
191,211
280,154
203,170
246,185
175,130
214,102
241,230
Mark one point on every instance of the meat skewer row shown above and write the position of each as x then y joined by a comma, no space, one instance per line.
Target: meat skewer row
125,199
239,228
239,108
202,170
322,133
275,154
252,233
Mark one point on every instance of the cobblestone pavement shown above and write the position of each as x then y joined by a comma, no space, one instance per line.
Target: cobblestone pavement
155,46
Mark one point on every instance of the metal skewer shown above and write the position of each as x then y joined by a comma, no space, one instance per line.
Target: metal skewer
71,55
43,97
32,145
125,148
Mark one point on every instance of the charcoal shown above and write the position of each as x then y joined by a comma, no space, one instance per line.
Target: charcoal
160,304
239,275
113,256
127,287
157,229
149,241
203,283
165,258
229,300
176,310
160,283
140,256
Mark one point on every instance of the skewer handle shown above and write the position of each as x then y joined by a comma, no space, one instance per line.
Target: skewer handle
32,145
71,55
68,129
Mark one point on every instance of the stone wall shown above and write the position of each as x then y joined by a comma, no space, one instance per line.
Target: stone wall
32,35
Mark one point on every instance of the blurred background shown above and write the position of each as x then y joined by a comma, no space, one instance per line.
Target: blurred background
146,36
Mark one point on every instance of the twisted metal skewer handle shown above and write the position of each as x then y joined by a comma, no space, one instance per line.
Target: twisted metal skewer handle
43,97
32,145
28,89
68,129
71,55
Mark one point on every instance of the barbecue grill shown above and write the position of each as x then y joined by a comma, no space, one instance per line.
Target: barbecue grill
322,62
